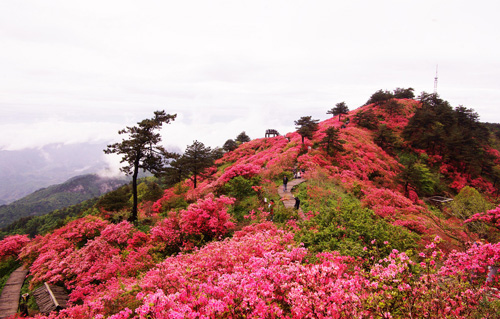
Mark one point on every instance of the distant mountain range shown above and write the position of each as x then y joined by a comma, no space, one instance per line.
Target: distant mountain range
24,171
71,192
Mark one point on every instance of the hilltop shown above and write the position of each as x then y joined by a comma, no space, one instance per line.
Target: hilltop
369,242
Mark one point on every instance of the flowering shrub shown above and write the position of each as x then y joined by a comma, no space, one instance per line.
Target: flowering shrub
204,220
245,170
262,273
491,217
74,234
388,203
11,246
257,275
208,217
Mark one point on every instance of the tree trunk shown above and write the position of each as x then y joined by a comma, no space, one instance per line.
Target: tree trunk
133,217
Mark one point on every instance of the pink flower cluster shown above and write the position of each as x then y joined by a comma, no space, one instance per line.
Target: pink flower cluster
262,273
245,170
491,217
389,204
11,246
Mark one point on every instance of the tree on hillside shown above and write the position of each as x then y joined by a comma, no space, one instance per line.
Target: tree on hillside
366,119
230,145
385,138
242,138
455,134
217,153
196,159
331,141
141,150
401,93
306,127
431,124
339,109
416,175
379,97
467,203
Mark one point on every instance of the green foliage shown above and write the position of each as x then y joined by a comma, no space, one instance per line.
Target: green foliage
141,150
392,107
455,134
230,145
494,130
400,93
240,187
341,224
339,109
306,127
217,153
469,202
331,142
366,119
417,175
242,207
242,138
283,215
379,97
32,305
382,96
386,139
39,225
116,200
196,159
149,191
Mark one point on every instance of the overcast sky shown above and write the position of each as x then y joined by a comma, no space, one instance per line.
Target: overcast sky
77,71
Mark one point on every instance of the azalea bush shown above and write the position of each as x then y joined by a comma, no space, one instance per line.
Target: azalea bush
11,246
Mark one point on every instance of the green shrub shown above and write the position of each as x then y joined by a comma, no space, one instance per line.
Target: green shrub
341,224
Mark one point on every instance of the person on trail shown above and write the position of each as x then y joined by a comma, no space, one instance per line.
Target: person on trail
285,181
271,210
297,203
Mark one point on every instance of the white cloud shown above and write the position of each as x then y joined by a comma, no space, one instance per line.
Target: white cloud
80,71
54,131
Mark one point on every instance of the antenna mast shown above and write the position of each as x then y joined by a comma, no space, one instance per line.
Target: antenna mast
436,81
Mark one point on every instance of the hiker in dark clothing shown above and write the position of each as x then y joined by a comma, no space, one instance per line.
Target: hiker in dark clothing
285,181
297,203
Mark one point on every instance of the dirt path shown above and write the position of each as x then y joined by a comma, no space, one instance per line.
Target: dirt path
9,300
287,196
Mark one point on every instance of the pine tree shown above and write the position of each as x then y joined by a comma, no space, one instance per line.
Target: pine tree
339,109
196,159
331,141
306,127
141,150
230,145
242,138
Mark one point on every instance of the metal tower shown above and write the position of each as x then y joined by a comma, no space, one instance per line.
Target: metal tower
436,81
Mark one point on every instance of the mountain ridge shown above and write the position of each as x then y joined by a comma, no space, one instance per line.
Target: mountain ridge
75,190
